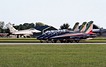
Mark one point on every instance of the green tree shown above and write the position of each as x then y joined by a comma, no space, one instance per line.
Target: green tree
31,25
1,24
6,31
39,24
65,26
24,26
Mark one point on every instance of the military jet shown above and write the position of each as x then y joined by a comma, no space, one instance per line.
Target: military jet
75,36
19,33
48,35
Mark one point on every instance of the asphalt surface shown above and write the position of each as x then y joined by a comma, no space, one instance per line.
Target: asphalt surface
47,43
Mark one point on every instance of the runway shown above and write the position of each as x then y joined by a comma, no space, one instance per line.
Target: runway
48,43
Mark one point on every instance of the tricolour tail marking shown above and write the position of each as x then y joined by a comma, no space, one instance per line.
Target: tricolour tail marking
83,27
76,27
89,27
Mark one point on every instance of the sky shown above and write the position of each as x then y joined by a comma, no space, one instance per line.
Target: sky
53,12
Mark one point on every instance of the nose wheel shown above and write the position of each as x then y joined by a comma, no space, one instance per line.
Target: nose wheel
71,41
54,41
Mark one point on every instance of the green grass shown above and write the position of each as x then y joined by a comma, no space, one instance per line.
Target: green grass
34,40
53,55
99,38
18,39
93,41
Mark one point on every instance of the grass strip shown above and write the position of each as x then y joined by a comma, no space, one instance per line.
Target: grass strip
53,55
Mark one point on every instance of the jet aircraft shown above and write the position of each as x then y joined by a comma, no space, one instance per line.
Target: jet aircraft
20,33
74,36
48,36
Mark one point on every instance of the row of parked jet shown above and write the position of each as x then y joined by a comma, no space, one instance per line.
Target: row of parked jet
66,36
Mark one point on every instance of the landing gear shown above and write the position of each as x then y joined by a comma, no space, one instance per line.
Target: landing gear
71,41
53,41
66,41
63,41
77,41
47,41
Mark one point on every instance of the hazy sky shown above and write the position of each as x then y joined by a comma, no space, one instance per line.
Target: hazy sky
53,12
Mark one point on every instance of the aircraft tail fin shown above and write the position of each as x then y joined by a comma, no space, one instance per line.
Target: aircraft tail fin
89,27
83,27
76,27
11,28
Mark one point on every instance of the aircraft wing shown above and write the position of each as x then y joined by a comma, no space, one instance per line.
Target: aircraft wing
32,30
35,31
23,32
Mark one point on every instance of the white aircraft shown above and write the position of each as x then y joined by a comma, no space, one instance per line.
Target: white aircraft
25,33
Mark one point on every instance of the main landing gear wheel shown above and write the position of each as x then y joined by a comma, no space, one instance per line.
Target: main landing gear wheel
67,41
77,41
54,41
47,41
71,41
63,41
41,41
